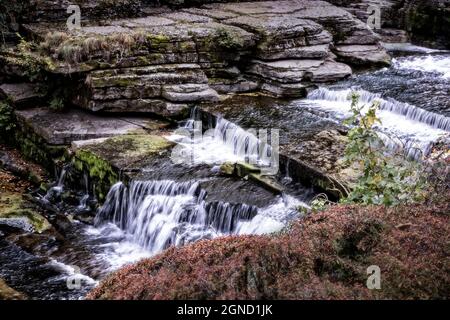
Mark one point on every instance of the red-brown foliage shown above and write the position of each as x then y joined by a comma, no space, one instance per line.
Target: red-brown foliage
323,256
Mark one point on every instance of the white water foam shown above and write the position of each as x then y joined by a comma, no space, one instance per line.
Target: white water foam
115,247
407,126
409,47
70,271
227,142
272,218
439,64
158,214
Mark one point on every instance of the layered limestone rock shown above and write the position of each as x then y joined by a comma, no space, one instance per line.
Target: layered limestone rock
164,62
45,135
422,21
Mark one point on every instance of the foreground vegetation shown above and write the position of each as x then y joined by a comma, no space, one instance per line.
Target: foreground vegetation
324,256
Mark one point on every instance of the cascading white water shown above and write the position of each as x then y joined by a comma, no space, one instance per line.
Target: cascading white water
439,64
56,190
226,142
158,214
365,97
403,126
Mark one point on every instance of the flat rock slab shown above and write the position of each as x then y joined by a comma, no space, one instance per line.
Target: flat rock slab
125,153
21,94
62,128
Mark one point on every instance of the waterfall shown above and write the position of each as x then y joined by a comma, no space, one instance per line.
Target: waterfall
404,109
190,123
56,190
225,142
244,143
86,196
403,126
158,214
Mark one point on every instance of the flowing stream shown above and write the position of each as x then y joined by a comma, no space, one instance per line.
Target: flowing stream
413,97
175,203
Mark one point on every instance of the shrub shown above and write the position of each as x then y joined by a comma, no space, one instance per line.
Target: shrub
6,118
387,178
57,103
32,63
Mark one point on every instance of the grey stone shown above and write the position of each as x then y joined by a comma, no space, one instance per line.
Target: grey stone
62,128
21,94
363,54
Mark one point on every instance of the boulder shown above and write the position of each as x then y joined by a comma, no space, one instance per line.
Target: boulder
17,213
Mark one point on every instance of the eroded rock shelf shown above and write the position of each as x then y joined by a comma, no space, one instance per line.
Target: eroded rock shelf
162,62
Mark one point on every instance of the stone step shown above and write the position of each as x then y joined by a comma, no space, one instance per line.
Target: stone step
62,128
21,94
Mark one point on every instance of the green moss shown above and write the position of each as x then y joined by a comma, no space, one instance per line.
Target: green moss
223,39
36,149
12,206
129,148
157,38
104,161
99,170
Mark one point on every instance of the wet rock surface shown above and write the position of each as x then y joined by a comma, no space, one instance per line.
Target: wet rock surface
21,94
311,147
132,58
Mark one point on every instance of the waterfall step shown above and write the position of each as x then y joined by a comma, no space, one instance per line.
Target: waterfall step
64,127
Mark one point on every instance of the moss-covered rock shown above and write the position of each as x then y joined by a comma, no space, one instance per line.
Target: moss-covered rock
248,171
107,160
15,211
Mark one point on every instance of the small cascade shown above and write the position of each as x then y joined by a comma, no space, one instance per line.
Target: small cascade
158,214
225,142
244,144
287,177
86,196
56,190
403,126
190,123
404,109
438,64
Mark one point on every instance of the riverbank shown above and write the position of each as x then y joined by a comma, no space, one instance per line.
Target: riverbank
323,256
